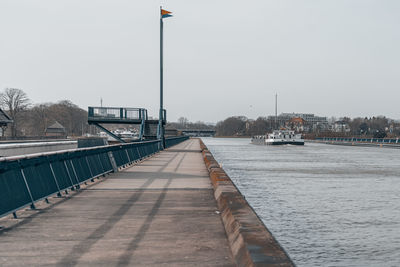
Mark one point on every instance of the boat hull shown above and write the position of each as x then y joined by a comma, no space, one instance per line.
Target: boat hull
284,143
276,143
279,137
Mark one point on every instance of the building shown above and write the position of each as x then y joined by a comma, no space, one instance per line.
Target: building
4,121
296,124
310,121
340,127
56,130
197,132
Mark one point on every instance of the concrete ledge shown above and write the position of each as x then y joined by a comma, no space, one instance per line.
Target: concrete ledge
15,149
250,241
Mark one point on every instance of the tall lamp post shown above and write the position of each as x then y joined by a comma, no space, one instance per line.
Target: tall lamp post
161,132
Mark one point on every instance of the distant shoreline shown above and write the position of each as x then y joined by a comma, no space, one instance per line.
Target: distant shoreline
232,136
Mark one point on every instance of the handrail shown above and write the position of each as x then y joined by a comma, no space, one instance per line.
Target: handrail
27,179
117,113
171,141
360,140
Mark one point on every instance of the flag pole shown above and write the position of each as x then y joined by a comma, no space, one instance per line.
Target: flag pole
161,126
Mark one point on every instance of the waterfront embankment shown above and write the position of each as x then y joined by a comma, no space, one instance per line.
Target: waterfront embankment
250,241
161,210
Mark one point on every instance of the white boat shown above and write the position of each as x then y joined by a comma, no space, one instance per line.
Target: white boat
122,133
278,137
125,134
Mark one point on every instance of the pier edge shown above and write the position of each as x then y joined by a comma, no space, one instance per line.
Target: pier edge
251,243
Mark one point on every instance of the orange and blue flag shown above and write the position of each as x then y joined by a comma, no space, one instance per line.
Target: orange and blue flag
165,14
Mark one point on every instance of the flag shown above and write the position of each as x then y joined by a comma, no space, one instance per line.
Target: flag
165,14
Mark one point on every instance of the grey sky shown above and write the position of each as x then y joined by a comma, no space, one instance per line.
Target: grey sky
222,58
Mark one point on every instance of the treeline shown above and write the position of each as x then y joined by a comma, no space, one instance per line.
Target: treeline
377,127
372,126
33,119
242,126
183,123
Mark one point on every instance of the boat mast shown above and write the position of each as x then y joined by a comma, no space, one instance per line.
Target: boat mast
276,110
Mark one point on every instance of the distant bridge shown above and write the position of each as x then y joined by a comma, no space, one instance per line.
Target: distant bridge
197,132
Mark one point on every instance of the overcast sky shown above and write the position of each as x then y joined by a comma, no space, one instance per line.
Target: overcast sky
222,58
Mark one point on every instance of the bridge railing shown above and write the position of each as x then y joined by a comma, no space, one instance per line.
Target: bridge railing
27,179
171,141
360,140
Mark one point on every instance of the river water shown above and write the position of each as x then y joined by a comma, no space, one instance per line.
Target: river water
327,205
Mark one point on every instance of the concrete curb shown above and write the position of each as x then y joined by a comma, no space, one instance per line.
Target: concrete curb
250,241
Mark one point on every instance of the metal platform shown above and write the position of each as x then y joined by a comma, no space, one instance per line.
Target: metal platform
119,115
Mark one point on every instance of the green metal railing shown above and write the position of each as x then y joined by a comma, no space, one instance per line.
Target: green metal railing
363,140
171,141
27,179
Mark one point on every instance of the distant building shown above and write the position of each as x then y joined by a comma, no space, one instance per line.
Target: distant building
296,124
56,130
4,121
197,132
340,127
310,121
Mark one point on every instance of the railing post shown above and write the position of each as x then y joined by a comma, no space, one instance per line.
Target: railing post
29,190
112,161
102,167
76,176
69,175
90,169
55,180
127,154
138,151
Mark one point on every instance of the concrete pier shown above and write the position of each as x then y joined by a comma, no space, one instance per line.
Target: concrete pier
176,208
159,212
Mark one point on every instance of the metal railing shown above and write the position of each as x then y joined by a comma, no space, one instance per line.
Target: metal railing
25,180
171,141
361,140
117,113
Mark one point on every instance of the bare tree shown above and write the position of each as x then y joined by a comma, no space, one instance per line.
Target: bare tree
232,126
14,101
38,119
72,117
182,121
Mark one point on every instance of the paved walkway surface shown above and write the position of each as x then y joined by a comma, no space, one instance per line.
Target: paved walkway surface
159,212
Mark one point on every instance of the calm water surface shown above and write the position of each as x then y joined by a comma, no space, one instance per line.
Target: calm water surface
327,205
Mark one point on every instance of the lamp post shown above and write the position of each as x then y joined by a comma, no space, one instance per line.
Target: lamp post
160,123
161,136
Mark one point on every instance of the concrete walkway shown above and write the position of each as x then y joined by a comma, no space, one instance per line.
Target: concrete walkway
159,212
